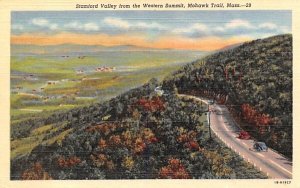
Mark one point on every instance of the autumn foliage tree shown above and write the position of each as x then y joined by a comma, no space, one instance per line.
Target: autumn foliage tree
252,116
152,105
174,170
68,162
36,172
188,139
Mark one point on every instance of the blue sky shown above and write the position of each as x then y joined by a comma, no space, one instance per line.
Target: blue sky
153,25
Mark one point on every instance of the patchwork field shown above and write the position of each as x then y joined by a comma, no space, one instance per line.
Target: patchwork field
41,84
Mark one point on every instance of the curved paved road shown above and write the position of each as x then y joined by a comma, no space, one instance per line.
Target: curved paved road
224,127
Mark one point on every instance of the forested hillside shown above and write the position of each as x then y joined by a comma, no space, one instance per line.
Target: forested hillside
138,134
254,80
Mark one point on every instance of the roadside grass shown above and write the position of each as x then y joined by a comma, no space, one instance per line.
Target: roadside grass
62,91
59,138
16,100
23,113
47,134
41,130
24,146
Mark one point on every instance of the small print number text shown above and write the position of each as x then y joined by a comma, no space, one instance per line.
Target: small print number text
282,182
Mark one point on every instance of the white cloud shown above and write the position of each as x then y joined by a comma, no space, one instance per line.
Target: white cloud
73,25
152,25
116,22
202,29
219,29
91,27
123,24
284,29
198,27
17,27
181,30
79,26
275,28
53,26
41,22
268,25
234,27
238,23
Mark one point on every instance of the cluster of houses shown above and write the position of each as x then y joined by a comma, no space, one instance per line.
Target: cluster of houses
79,57
52,82
105,69
18,87
79,72
30,77
99,69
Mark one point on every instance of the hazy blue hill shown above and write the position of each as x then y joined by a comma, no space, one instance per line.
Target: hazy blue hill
74,49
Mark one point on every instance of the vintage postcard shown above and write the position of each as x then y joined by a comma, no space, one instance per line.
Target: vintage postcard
174,92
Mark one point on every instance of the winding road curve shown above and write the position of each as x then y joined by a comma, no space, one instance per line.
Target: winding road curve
224,127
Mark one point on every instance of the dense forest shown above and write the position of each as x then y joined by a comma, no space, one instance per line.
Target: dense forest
254,80
138,134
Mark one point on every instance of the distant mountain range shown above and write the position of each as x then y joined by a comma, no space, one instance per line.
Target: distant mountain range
73,49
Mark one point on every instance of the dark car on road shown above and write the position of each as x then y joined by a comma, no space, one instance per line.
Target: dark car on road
260,146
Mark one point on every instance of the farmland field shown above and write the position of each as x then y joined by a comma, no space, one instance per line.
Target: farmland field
41,84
